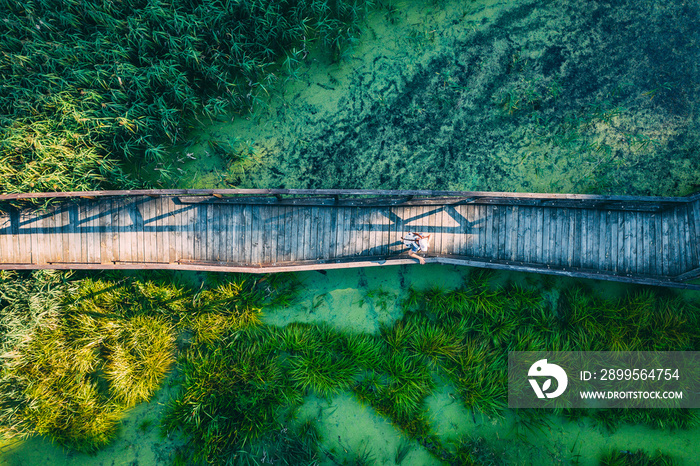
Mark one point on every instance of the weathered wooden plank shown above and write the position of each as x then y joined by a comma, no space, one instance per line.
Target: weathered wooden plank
384,231
263,234
120,230
227,241
213,240
489,248
188,232
544,240
370,236
348,234
650,247
337,238
597,247
507,243
91,233
63,233
160,236
127,246
683,238
538,220
245,242
296,220
184,236
355,228
535,230
577,216
643,243
571,218
274,231
200,233
673,243
451,238
562,236
480,211
24,239
496,227
584,233
271,237
694,261
8,249
105,228
209,233
5,233
525,243
665,238
257,235
28,231
366,213
233,234
514,233
634,240
176,222
322,233
137,207
30,216
16,255
45,227
308,234
621,239
554,227
603,240
659,242
90,237
687,245
78,228
695,208
649,258
144,207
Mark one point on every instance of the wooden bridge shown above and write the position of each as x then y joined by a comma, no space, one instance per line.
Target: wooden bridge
646,240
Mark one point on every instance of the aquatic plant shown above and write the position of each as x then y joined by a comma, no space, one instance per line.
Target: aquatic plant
402,452
232,395
88,86
475,451
617,457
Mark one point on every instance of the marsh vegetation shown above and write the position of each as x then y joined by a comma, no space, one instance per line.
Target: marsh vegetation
105,343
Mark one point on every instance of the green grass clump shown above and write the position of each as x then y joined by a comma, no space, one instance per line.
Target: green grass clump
232,395
78,352
90,85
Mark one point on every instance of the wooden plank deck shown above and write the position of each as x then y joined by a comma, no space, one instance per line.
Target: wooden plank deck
644,240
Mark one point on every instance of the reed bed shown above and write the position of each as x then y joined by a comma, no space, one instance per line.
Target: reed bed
79,351
89,86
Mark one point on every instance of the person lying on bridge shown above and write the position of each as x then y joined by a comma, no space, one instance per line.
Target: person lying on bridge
415,243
